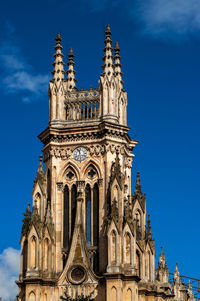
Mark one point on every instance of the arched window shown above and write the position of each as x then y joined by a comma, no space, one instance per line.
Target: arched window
66,218
127,248
149,256
24,254
33,252
49,186
138,263
32,297
46,254
113,247
129,295
73,207
96,215
88,213
113,294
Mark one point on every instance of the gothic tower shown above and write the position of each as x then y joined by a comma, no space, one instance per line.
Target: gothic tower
87,233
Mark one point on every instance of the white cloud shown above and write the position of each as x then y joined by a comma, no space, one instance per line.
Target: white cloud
19,75
9,273
168,18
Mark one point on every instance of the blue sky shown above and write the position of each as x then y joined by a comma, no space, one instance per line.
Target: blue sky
160,49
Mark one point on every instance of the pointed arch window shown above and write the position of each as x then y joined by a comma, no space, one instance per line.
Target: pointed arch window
46,254
96,215
113,247
113,294
88,213
138,268
129,295
33,252
149,260
24,254
32,297
73,207
69,214
66,218
49,186
127,248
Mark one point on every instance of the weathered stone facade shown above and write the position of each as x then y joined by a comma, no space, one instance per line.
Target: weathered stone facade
87,232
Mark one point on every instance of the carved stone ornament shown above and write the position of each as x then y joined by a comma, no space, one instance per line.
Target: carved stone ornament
100,182
60,186
128,162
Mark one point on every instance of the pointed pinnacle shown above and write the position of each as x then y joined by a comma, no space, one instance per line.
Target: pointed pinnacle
58,38
108,30
176,269
71,53
161,250
117,47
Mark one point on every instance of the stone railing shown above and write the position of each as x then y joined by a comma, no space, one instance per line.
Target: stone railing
82,105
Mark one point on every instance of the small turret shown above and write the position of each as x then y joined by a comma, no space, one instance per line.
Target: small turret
58,71
108,68
71,80
162,272
176,275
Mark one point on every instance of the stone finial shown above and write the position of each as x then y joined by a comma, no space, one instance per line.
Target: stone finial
71,80
117,64
138,189
108,68
58,64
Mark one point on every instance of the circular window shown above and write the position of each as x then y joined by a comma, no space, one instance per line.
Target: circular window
77,275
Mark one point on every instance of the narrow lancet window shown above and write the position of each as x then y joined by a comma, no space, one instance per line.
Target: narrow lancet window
73,207
127,248
88,214
113,247
95,215
66,218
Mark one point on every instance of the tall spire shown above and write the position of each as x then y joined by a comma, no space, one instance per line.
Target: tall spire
71,80
117,64
58,71
108,68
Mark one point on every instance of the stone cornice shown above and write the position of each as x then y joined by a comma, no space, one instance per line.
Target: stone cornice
86,132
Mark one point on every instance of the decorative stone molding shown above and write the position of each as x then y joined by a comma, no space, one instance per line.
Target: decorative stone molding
80,184
94,150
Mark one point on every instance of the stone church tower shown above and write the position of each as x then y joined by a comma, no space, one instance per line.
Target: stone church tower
86,232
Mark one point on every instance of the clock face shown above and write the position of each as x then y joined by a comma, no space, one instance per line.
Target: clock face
80,154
